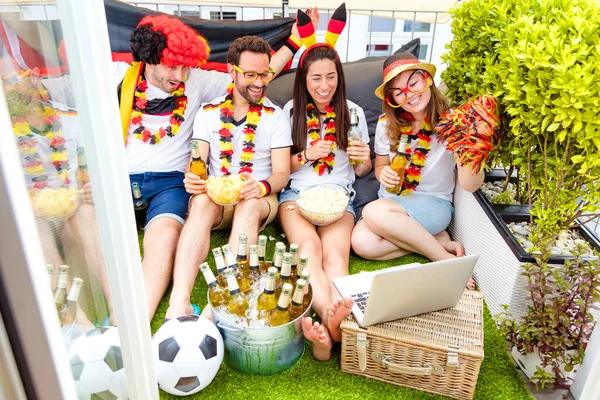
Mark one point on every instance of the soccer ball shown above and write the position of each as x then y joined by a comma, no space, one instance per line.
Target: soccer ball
97,365
188,352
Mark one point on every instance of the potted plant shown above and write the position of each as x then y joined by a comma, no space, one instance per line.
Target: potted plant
558,324
539,59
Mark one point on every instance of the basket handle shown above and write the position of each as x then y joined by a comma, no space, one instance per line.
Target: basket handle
428,369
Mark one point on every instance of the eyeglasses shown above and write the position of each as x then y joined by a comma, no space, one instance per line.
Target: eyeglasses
418,82
251,76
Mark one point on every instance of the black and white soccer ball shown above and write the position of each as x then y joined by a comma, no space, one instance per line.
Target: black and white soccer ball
188,352
97,365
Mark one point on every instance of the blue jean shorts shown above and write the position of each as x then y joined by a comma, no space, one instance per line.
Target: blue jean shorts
290,195
432,212
165,194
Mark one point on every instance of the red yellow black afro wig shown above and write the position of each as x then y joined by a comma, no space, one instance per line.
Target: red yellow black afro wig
160,39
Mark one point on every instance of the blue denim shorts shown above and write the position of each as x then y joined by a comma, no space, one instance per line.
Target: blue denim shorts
165,194
432,212
290,195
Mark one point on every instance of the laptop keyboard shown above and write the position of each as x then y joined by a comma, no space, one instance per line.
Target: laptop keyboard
361,300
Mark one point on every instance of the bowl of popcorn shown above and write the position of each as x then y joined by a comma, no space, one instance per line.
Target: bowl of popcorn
224,190
323,204
55,204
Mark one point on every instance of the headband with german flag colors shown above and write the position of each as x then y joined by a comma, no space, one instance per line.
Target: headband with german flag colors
306,30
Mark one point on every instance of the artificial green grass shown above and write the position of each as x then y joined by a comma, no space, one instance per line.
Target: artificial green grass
312,379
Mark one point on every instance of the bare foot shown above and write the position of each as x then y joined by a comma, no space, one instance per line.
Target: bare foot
319,336
450,246
176,310
337,312
471,283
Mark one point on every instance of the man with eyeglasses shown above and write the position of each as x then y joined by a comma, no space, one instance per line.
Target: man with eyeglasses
240,133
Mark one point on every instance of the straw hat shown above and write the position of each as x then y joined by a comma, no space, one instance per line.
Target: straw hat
398,63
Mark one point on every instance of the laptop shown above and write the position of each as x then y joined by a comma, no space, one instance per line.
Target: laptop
406,290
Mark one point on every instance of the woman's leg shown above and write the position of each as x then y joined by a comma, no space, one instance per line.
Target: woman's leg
300,231
371,246
336,256
388,219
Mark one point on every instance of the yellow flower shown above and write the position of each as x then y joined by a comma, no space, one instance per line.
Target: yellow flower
229,127
50,135
413,178
140,95
60,156
406,129
406,192
246,156
157,138
175,129
225,146
249,137
37,170
252,118
21,128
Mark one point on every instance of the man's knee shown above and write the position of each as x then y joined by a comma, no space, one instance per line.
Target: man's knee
250,209
201,205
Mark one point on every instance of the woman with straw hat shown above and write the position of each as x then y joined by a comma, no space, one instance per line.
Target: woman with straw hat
415,219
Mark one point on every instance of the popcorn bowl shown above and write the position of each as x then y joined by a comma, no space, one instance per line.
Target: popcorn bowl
224,190
323,204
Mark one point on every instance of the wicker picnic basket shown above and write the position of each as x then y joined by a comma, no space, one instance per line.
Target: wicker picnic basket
438,352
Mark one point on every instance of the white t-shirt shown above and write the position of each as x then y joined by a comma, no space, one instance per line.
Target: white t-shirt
437,176
342,172
273,132
172,153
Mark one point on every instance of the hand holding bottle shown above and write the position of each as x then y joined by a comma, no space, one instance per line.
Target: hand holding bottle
194,184
359,151
86,195
320,149
388,177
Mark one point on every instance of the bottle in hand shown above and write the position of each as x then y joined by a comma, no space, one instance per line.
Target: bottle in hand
82,174
197,165
354,133
398,165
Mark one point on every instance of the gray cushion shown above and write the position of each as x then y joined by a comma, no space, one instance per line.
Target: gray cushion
362,78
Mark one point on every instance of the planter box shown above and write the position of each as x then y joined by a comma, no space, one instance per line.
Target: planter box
498,272
529,362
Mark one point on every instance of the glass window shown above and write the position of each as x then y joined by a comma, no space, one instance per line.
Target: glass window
419,26
276,15
375,50
188,13
223,15
380,24
423,53
48,135
324,20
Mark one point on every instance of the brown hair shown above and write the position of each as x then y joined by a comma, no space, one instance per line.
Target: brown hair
302,97
395,116
252,44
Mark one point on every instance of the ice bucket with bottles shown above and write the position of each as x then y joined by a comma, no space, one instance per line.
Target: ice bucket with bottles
262,351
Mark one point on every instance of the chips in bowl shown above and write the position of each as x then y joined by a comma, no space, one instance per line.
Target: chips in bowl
224,190
323,204
55,203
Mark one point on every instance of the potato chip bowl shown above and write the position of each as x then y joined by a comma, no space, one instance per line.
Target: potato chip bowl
323,204
224,190
55,204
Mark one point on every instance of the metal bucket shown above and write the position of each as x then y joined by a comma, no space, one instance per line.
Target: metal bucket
262,351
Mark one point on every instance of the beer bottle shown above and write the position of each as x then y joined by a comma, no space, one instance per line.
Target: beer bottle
254,264
262,249
278,257
220,264
216,294
197,165
285,274
68,314
238,302
242,256
399,164
60,294
139,206
294,253
354,133
50,270
297,306
82,174
281,314
307,289
303,264
242,278
267,300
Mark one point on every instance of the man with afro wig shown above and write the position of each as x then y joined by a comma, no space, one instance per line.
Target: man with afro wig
159,96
